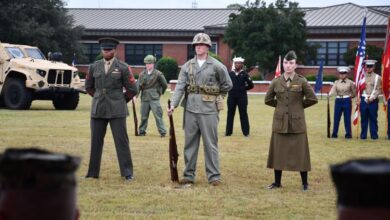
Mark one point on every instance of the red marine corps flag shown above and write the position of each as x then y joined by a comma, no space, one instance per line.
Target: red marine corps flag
386,64
278,70
359,71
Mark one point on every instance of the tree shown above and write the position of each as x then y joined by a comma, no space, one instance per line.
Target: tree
260,33
42,23
372,52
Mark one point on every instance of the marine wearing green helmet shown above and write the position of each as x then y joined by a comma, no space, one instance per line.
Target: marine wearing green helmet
149,59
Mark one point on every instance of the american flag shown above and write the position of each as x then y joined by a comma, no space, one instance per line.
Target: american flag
278,70
359,72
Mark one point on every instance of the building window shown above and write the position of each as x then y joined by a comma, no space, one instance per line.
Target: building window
332,52
91,51
191,51
135,53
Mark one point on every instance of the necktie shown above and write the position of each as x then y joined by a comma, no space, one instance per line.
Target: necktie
107,66
288,80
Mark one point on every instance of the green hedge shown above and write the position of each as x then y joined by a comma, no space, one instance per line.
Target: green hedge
215,56
168,66
326,78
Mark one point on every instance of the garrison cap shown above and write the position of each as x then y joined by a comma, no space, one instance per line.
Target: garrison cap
238,59
37,169
291,55
370,62
108,43
362,183
149,59
343,69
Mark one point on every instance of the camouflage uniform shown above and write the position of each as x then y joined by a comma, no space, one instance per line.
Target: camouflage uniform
152,86
205,83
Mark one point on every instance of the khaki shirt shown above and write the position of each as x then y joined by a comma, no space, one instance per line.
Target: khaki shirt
344,87
211,73
370,84
290,102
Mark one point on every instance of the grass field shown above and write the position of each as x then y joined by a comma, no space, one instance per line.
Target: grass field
243,194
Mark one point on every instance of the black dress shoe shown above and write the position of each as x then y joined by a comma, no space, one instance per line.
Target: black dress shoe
90,176
274,186
305,187
129,178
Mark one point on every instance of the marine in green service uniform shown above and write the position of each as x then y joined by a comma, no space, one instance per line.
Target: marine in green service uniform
151,84
105,82
202,81
289,94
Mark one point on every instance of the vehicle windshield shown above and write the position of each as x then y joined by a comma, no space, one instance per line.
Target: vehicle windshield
15,52
35,53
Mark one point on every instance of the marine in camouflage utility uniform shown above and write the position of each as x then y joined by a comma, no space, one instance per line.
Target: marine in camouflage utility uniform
151,84
203,80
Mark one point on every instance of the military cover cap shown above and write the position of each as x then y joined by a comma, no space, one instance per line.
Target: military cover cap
37,169
370,62
149,59
108,43
290,55
238,59
201,38
362,183
343,69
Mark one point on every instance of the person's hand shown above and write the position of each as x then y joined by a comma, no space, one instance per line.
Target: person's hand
135,99
170,110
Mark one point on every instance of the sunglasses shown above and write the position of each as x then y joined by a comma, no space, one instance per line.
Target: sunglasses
370,66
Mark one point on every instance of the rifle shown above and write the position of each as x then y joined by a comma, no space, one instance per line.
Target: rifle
328,119
135,118
173,155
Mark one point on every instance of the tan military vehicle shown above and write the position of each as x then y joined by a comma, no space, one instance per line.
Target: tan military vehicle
26,75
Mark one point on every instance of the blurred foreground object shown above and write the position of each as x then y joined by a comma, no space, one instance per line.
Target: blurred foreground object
363,190
37,184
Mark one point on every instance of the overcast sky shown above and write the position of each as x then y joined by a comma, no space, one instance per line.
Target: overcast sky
201,3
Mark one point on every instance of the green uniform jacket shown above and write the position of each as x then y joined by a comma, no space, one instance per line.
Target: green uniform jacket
212,73
109,101
289,115
150,86
289,146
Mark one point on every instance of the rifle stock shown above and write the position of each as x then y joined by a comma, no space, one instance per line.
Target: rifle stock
135,119
173,155
328,119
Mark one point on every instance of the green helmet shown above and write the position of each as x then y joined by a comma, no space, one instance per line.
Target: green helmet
201,38
149,59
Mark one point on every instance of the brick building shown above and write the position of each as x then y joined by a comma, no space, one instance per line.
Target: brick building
169,32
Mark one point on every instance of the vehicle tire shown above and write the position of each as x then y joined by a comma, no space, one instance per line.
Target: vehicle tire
66,101
16,95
